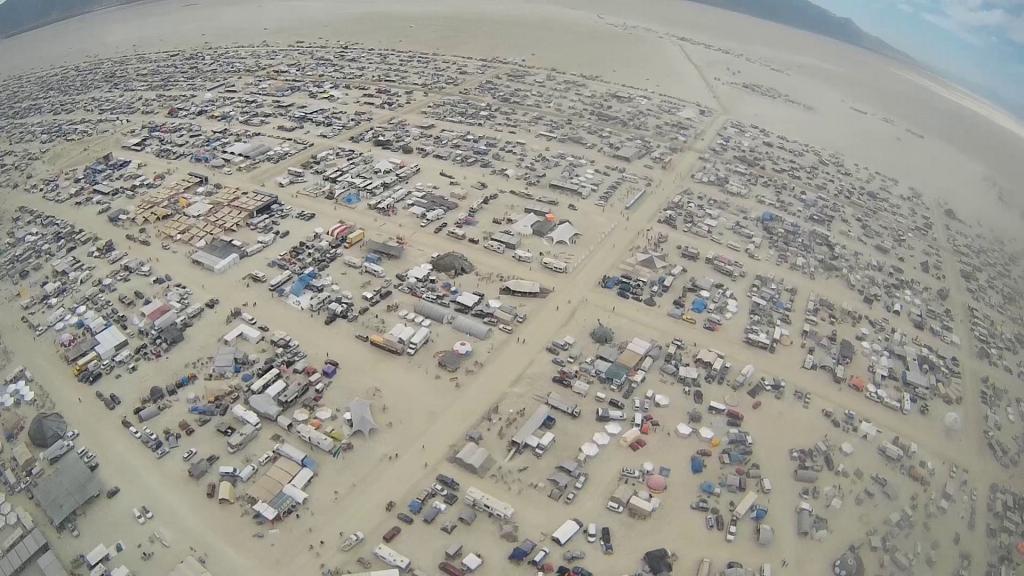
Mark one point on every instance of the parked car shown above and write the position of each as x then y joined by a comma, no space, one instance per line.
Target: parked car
392,533
114,491
138,516
146,512
188,454
617,508
405,517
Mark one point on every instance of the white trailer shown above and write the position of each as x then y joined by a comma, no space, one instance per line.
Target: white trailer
245,415
566,531
418,340
744,505
388,556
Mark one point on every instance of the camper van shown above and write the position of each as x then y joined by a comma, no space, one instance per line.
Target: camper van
258,276
522,256
495,246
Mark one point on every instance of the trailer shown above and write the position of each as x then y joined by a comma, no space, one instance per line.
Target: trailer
149,412
385,344
489,504
569,529
744,505
260,383
556,402
390,557
418,340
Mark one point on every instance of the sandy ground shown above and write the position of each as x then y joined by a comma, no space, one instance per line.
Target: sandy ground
620,42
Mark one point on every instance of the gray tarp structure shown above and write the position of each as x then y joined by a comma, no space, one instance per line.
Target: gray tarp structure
69,485
474,458
472,327
46,429
265,406
50,565
435,312
602,335
362,419
156,394
453,264
385,249
18,555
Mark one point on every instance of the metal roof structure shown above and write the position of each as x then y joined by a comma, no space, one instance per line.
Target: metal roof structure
66,488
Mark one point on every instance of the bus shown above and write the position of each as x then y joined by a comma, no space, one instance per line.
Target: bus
280,280
260,383
717,407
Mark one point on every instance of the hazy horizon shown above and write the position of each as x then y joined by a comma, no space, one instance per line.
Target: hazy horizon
978,44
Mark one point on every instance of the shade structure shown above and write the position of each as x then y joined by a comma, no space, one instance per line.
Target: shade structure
323,413
362,418
706,434
613,428
601,439
684,430
661,400
462,347
46,429
590,449
656,483
647,467
300,415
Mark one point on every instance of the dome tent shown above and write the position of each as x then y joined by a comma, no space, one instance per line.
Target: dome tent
47,429
602,334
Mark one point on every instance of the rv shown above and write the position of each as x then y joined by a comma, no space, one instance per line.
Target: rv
554,265
495,246
522,256
489,504
355,238
373,270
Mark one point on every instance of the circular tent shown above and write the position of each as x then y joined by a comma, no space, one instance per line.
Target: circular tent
656,483
46,429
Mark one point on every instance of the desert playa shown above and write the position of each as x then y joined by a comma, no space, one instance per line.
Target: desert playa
501,288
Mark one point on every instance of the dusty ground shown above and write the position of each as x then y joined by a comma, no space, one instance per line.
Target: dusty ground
620,42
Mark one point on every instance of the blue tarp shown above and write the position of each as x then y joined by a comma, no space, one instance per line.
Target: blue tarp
699,305
415,506
759,513
696,464
707,487
301,282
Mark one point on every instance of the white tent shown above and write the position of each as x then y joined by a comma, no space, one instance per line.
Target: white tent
706,434
590,449
601,439
684,430
613,428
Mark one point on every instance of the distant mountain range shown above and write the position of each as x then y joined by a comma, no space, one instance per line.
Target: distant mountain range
17,16
809,17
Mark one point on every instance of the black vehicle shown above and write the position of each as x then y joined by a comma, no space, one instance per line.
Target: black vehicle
115,399
447,481
113,491
404,517
330,319
606,540
616,403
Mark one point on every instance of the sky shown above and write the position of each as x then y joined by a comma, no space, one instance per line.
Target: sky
976,43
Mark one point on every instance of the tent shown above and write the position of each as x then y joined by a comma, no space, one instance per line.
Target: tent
699,305
362,419
47,429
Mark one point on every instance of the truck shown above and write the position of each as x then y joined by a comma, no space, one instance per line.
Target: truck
56,451
569,529
418,340
554,265
744,505
556,402
745,375
355,238
385,344
890,451
704,568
